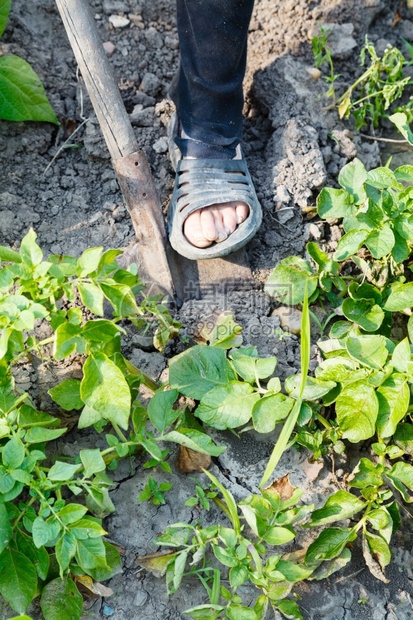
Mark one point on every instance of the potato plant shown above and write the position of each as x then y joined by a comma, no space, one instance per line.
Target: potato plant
47,540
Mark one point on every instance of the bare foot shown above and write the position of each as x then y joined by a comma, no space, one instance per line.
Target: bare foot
214,223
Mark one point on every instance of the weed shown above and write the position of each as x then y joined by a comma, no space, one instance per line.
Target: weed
322,54
383,82
154,492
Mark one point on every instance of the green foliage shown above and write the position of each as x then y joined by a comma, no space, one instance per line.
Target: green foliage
22,94
243,551
370,97
154,492
322,54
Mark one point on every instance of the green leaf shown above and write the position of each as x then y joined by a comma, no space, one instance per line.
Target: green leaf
41,532
37,434
30,252
61,600
67,394
379,549
90,553
199,369
290,610
370,350
400,298
393,398
269,410
100,330
339,506
249,366
380,242
13,453
357,408
4,14
195,440
363,313
401,358
61,471
367,474
278,535
18,579
225,333
350,243
92,461
332,566
400,120
404,473
403,437
160,409
113,561
88,261
227,406
88,417
287,282
121,298
30,417
238,575
67,339
238,612
205,612
72,513
5,528
293,572
352,178
105,389
329,544
334,203
65,551
23,96
382,178
314,388
92,297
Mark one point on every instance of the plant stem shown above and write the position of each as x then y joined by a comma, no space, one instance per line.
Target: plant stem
119,432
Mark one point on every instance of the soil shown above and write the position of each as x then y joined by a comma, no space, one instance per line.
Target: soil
294,146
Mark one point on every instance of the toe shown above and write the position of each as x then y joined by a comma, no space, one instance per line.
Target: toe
208,227
193,231
219,225
242,212
229,217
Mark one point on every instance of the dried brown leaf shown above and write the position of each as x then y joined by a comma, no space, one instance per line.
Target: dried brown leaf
155,563
189,461
91,589
282,486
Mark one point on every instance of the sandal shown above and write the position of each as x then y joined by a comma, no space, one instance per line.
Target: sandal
204,182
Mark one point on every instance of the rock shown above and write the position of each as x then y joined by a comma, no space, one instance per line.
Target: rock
290,318
282,195
142,118
140,598
314,72
118,21
314,231
135,19
161,145
345,144
115,6
109,48
150,84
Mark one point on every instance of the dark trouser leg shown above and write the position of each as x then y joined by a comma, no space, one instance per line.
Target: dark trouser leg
208,88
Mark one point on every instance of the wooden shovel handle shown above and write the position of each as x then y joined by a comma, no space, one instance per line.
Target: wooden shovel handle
98,76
